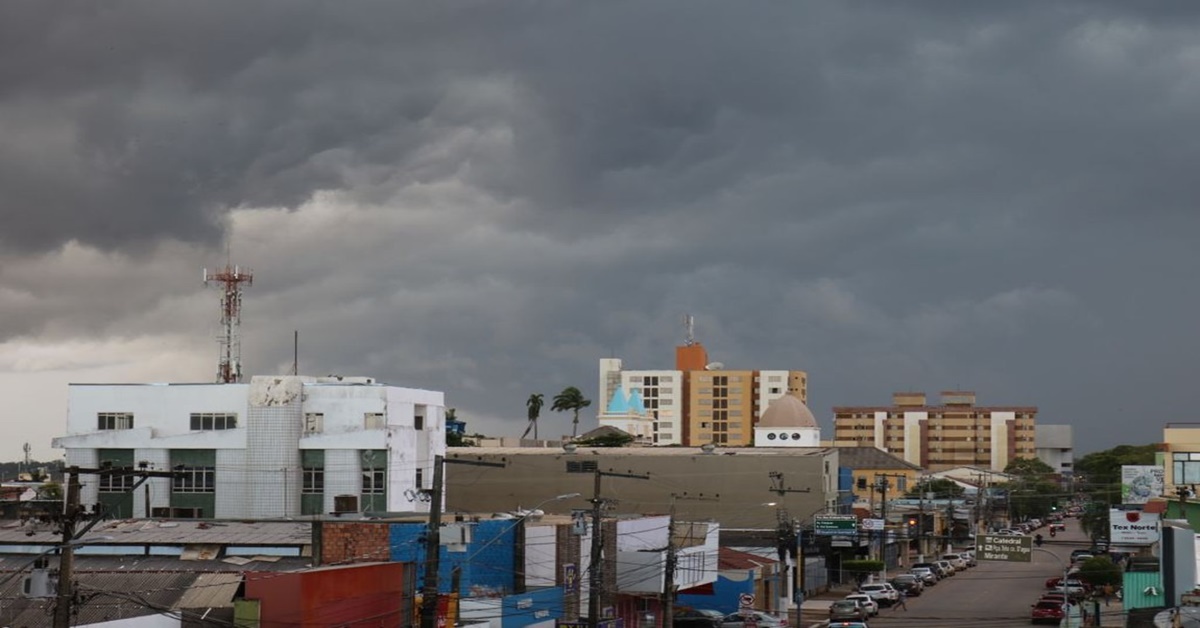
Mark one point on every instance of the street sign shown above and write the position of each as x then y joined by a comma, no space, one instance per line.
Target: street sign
873,524
746,600
835,525
1013,549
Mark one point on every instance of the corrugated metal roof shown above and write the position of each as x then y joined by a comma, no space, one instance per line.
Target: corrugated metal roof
172,532
211,590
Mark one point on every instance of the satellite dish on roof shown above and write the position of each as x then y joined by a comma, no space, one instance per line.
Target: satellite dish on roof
714,366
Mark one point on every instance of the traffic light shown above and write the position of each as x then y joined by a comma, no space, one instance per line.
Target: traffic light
913,524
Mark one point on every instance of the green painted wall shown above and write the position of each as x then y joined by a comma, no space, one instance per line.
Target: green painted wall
207,502
1135,584
118,503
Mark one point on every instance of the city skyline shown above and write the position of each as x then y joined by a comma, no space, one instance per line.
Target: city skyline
485,200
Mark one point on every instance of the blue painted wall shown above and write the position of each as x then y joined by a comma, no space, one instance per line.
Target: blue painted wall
724,597
532,607
487,564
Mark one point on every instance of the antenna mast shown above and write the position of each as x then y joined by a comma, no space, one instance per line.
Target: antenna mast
230,278
689,328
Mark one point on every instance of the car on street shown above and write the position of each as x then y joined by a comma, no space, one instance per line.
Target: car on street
927,575
763,620
698,618
847,609
871,606
1047,612
1076,554
948,566
911,585
936,568
884,594
956,560
848,624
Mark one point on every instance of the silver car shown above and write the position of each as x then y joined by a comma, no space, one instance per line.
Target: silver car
738,620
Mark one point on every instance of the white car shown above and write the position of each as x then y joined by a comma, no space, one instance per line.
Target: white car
959,563
883,594
866,602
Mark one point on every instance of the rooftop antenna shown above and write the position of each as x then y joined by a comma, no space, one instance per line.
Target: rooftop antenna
689,328
230,278
295,352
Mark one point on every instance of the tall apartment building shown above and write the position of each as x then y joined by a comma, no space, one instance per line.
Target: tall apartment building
953,433
698,402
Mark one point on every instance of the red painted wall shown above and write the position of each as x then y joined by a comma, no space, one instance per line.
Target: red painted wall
361,596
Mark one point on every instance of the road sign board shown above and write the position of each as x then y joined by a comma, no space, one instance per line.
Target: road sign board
746,600
836,525
873,524
1013,549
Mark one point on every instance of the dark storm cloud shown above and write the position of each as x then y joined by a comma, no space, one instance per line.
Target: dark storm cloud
889,195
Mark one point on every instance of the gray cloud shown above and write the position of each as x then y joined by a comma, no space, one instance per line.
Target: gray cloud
485,198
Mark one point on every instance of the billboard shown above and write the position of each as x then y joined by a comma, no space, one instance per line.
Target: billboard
1132,527
1140,482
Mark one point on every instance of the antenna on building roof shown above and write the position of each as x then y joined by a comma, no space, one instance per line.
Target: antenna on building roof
231,278
689,328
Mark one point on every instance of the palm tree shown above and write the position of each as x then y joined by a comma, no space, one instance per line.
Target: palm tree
571,399
534,405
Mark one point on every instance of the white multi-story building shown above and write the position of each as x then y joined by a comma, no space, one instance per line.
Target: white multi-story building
278,446
1056,447
660,392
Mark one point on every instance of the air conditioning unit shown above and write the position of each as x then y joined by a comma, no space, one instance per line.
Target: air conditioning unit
39,583
345,504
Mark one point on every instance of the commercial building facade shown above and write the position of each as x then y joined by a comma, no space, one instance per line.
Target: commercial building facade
696,403
952,433
282,446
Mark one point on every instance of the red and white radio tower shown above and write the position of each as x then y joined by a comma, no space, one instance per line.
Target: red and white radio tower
231,278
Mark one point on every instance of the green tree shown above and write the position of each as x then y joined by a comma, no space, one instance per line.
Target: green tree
1027,467
940,487
50,491
1099,571
533,409
573,400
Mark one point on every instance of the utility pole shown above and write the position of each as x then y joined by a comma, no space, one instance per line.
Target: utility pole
668,593
433,538
71,514
595,575
794,534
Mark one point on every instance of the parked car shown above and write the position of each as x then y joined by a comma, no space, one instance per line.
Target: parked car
871,606
880,592
945,564
698,618
928,576
911,585
969,556
935,568
1046,612
1075,554
848,624
847,609
956,560
738,620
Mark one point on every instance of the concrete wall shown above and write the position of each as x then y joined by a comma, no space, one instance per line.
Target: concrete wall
738,480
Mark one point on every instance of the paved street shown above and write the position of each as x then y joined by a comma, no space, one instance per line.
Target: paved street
993,594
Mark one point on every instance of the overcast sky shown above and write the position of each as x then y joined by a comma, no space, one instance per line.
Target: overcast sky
485,198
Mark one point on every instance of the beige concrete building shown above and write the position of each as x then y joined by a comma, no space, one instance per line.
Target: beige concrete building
697,403
955,432
1181,453
738,488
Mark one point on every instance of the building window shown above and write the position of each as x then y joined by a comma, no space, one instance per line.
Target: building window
581,466
206,421
374,481
194,480
314,422
114,421
313,481
420,480
374,421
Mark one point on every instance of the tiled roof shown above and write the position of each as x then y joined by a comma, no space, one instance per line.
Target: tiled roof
729,558
872,458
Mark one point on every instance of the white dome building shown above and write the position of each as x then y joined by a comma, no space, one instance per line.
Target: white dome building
787,422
